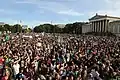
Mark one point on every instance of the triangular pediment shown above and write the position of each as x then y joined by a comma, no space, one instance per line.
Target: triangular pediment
97,17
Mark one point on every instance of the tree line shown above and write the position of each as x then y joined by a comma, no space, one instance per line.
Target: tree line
13,28
72,28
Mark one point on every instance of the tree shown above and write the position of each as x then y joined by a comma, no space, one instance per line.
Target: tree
48,28
68,28
16,28
57,29
78,27
2,28
75,28
38,29
7,27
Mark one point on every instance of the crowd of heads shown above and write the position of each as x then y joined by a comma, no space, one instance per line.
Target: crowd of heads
59,57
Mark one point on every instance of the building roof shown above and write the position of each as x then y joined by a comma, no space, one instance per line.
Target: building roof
2,23
102,16
117,21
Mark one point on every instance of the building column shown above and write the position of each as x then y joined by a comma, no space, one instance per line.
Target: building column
108,25
106,28
95,26
103,26
92,26
118,28
113,29
100,26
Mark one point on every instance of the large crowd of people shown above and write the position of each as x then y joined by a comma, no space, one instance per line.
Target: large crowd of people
40,56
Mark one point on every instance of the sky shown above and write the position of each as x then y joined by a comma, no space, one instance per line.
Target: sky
35,12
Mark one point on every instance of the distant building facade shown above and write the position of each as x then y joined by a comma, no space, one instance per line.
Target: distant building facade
86,28
102,23
61,25
24,26
2,23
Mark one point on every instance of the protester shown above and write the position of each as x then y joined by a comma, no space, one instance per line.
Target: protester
59,57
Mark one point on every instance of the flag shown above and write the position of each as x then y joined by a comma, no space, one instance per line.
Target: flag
20,21
7,38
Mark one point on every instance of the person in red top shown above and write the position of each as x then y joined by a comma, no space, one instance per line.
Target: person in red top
1,61
1,66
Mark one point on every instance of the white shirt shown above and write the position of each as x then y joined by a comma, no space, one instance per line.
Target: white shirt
16,68
36,65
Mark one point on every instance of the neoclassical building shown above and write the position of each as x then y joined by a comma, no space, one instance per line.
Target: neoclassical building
104,23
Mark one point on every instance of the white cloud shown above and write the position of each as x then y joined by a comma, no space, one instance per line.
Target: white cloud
53,6
103,12
112,8
70,12
36,1
26,2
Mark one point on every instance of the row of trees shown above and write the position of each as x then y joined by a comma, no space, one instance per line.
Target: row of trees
48,28
13,28
74,28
